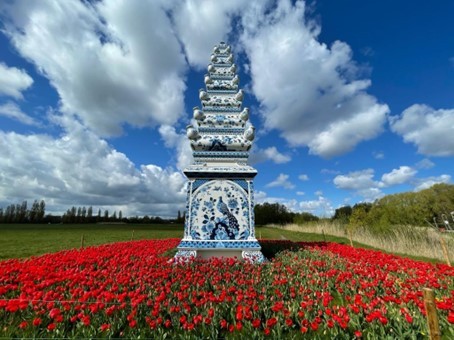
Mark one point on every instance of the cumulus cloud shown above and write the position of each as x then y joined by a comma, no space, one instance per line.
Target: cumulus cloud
430,130
13,111
79,168
425,183
398,176
321,102
303,177
356,180
180,142
13,81
329,172
111,63
281,181
261,155
202,24
361,182
425,164
320,207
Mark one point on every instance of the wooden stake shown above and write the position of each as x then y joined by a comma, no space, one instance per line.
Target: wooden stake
132,236
82,239
431,312
445,250
350,237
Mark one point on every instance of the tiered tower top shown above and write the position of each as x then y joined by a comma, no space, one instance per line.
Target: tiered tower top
222,136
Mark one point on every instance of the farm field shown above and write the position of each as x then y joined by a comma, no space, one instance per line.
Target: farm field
313,290
25,240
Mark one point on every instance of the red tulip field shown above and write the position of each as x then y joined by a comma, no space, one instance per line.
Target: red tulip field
134,289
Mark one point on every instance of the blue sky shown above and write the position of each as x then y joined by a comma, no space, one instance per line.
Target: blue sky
351,100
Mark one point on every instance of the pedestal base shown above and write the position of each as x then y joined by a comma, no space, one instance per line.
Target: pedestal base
253,255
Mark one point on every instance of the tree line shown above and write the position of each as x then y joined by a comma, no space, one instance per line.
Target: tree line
21,213
275,213
407,208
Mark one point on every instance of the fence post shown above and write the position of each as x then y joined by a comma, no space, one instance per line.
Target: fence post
445,250
431,312
324,237
132,236
82,239
350,237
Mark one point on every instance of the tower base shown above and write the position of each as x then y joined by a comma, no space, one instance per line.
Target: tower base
188,250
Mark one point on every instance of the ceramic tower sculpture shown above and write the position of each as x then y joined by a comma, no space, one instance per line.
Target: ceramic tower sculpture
220,200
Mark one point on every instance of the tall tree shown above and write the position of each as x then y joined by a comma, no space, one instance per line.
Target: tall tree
90,214
41,211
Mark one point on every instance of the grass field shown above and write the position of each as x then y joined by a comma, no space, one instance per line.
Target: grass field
415,242
24,240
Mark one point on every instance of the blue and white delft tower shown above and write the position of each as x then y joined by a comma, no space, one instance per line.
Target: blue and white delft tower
220,198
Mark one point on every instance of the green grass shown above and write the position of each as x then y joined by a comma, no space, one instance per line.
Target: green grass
278,234
25,240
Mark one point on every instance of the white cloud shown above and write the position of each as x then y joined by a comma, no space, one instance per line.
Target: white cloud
361,182
13,81
429,129
320,103
281,181
425,183
81,169
178,141
303,177
320,207
300,193
356,180
378,154
425,164
398,176
111,62
329,172
202,24
260,197
13,111
261,155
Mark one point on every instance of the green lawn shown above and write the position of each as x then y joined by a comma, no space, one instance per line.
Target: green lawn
25,240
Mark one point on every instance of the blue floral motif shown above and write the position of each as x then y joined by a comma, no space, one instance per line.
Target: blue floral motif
208,227
220,119
209,204
233,204
221,234
196,205
195,235
220,211
244,234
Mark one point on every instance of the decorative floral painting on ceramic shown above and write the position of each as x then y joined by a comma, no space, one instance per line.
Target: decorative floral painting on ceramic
223,214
